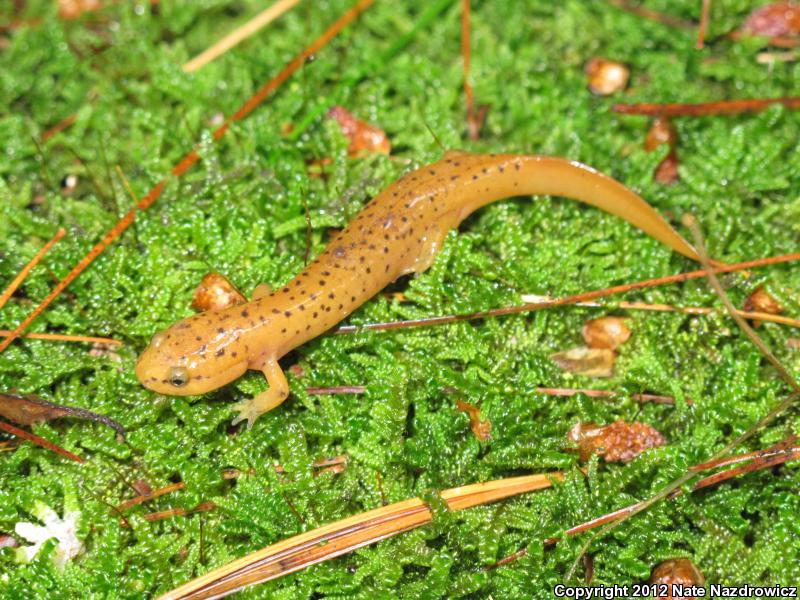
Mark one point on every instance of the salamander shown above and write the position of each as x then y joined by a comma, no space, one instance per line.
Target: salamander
398,232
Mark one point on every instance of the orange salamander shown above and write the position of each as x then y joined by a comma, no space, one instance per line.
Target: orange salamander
398,232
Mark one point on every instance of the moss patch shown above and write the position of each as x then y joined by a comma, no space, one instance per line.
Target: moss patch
241,212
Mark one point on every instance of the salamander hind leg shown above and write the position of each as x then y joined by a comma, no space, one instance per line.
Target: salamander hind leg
262,290
250,410
431,244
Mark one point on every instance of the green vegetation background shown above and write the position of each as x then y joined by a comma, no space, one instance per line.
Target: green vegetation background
241,212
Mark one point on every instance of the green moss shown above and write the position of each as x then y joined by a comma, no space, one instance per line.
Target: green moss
242,212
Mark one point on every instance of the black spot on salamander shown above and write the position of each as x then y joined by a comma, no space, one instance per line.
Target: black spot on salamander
517,166
404,219
484,170
220,352
369,270
331,295
245,313
326,273
287,313
352,298
234,354
386,249
286,289
474,177
340,251
322,283
283,330
198,338
315,315
297,283
220,330
501,169
276,311
262,318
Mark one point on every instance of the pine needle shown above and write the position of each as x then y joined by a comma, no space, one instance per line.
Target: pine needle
346,535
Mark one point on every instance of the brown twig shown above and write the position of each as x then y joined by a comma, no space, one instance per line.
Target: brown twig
346,535
701,30
653,15
178,512
340,389
575,299
240,34
764,459
188,161
17,281
39,441
689,310
654,398
58,127
719,107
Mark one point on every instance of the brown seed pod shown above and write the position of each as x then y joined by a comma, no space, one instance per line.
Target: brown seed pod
606,77
606,332
677,571
215,292
618,442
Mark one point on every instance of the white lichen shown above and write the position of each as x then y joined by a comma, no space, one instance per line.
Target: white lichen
64,530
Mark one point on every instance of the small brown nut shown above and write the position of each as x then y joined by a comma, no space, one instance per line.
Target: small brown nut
677,571
606,332
606,76
618,442
761,301
661,132
215,292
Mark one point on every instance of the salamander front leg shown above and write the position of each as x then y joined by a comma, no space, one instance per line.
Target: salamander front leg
250,410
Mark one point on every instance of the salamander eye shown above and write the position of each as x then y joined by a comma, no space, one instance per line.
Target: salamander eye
178,376
155,342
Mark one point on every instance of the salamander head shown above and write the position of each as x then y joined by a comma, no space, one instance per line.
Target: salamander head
193,356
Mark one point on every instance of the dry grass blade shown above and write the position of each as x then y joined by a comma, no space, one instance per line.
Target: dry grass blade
64,337
12,287
240,34
340,537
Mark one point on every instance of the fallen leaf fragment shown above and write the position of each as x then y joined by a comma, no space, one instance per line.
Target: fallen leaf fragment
72,9
761,301
677,571
27,410
364,138
618,442
663,132
606,332
481,428
793,343
666,172
606,77
590,362
215,292
780,19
